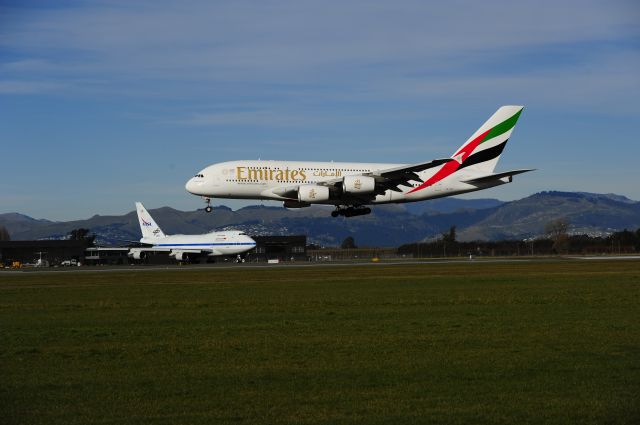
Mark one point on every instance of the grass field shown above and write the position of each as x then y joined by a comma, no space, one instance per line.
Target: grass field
554,343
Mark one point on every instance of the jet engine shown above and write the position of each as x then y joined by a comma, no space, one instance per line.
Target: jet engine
311,193
180,255
358,184
296,204
137,254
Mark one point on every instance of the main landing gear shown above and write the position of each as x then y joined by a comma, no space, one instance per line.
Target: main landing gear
351,211
208,207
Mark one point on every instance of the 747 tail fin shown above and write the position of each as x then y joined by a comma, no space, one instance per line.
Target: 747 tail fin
148,226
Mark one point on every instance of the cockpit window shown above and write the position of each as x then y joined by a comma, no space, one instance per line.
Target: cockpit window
199,175
242,234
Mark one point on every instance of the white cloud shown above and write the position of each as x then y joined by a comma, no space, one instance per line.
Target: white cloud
278,40
254,118
360,78
360,51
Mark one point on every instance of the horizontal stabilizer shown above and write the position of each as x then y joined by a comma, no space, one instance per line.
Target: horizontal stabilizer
498,176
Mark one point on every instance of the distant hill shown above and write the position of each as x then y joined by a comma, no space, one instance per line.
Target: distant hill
388,225
586,213
449,205
19,223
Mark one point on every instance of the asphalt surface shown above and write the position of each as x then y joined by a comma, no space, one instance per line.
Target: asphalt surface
240,266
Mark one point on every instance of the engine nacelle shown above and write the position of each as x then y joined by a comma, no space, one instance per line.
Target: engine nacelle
311,193
358,184
137,254
296,204
179,255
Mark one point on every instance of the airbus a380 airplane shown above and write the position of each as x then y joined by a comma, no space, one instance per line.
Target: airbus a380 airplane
352,186
182,247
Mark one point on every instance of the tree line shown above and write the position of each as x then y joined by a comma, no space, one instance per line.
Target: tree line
75,234
557,241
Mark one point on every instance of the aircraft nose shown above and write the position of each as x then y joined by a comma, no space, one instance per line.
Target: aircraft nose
195,186
190,185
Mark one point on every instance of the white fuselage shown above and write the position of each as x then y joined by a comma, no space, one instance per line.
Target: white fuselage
261,179
214,243
353,185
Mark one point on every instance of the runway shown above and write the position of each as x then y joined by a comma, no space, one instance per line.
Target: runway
253,266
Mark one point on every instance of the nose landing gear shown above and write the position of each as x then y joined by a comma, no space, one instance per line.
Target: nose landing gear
351,211
208,208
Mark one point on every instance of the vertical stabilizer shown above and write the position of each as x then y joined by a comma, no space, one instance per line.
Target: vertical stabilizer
483,149
148,226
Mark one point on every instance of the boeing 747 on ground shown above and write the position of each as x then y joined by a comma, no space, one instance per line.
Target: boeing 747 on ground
186,247
353,186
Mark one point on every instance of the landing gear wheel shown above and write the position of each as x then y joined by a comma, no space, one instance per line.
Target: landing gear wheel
208,207
351,211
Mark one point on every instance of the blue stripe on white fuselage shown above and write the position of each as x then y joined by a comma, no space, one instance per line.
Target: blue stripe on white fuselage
206,244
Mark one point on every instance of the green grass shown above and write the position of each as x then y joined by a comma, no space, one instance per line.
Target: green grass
554,343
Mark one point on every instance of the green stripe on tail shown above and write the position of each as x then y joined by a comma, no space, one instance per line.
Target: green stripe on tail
503,127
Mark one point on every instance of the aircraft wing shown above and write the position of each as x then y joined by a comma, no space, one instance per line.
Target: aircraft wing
171,251
190,251
411,169
391,178
386,179
149,249
178,254
140,252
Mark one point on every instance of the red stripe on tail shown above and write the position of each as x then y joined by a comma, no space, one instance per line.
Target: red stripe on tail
451,167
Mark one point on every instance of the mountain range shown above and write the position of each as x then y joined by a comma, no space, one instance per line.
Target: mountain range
388,225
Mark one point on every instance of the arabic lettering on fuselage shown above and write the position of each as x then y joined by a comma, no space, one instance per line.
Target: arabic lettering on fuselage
327,173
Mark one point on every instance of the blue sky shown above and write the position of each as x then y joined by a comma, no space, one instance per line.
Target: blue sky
107,103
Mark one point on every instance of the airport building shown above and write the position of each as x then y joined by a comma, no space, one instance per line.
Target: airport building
281,248
95,256
52,251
